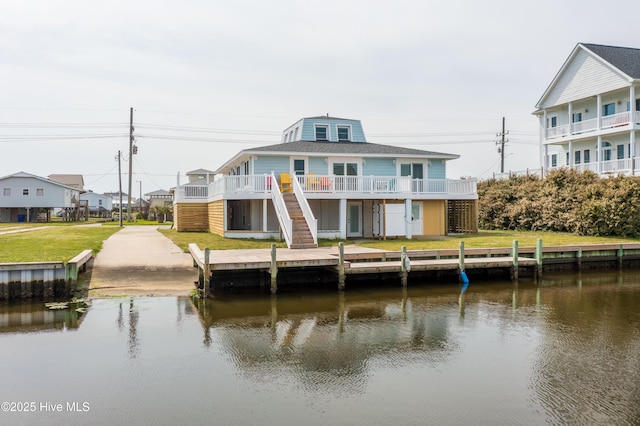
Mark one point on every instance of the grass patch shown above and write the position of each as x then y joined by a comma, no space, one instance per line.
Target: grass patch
139,222
483,239
54,243
216,242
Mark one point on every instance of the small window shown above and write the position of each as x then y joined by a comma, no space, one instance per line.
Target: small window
577,157
25,191
567,163
343,133
587,156
554,122
99,202
39,192
295,134
576,117
620,151
608,109
321,133
7,191
554,160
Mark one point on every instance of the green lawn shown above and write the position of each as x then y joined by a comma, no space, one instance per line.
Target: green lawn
479,240
54,243
63,241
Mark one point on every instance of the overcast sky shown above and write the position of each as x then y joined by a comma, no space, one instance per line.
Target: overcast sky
209,78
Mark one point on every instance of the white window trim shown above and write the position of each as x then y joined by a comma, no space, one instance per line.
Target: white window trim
315,134
349,132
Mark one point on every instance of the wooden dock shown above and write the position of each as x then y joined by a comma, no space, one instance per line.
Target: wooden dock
218,268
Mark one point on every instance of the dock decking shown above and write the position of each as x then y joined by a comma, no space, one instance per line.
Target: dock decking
344,261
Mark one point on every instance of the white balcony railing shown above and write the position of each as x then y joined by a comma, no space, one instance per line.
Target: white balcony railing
329,184
616,120
193,192
558,131
585,126
621,166
591,125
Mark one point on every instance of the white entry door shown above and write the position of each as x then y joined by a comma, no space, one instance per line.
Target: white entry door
416,219
354,219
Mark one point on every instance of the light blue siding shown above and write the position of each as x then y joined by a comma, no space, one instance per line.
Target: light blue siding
308,129
378,167
437,170
267,164
318,165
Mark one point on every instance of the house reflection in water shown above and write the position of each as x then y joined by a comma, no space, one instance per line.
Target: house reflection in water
330,338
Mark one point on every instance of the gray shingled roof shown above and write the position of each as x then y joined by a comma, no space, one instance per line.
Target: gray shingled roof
626,59
345,148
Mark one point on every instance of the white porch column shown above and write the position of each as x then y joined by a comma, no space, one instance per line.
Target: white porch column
342,218
632,134
571,158
599,153
599,113
408,222
265,205
543,153
570,118
632,150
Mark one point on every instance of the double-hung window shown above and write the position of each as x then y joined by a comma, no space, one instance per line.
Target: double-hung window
322,133
343,133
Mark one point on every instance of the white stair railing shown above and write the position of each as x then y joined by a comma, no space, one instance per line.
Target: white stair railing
281,211
312,222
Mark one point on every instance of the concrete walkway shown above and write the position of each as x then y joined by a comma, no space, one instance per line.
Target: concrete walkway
140,261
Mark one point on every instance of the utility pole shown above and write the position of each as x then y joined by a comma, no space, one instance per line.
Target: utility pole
130,162
120,186
501,142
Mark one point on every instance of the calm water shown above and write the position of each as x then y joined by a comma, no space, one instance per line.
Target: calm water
564,352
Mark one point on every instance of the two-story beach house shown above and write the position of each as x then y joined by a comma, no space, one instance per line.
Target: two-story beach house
325,180
590,113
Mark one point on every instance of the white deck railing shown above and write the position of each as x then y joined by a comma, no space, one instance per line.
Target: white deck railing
193,192
616,120
329,184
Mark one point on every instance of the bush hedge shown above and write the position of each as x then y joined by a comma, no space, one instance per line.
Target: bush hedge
564,201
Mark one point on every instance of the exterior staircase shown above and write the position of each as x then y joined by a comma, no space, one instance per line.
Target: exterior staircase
301,235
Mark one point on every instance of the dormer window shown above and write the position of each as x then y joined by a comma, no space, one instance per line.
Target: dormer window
344,133
322,133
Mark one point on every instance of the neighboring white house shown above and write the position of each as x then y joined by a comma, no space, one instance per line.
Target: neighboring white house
325,180
590,113
30,198
99,205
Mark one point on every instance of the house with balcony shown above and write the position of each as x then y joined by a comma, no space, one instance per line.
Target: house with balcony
590,113
325,180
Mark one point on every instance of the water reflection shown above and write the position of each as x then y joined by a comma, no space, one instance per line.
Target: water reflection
326,338
560,351
27,317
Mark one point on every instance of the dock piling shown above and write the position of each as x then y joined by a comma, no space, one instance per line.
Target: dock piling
404,266
538,271
514,254
341,266
207,273
274,270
